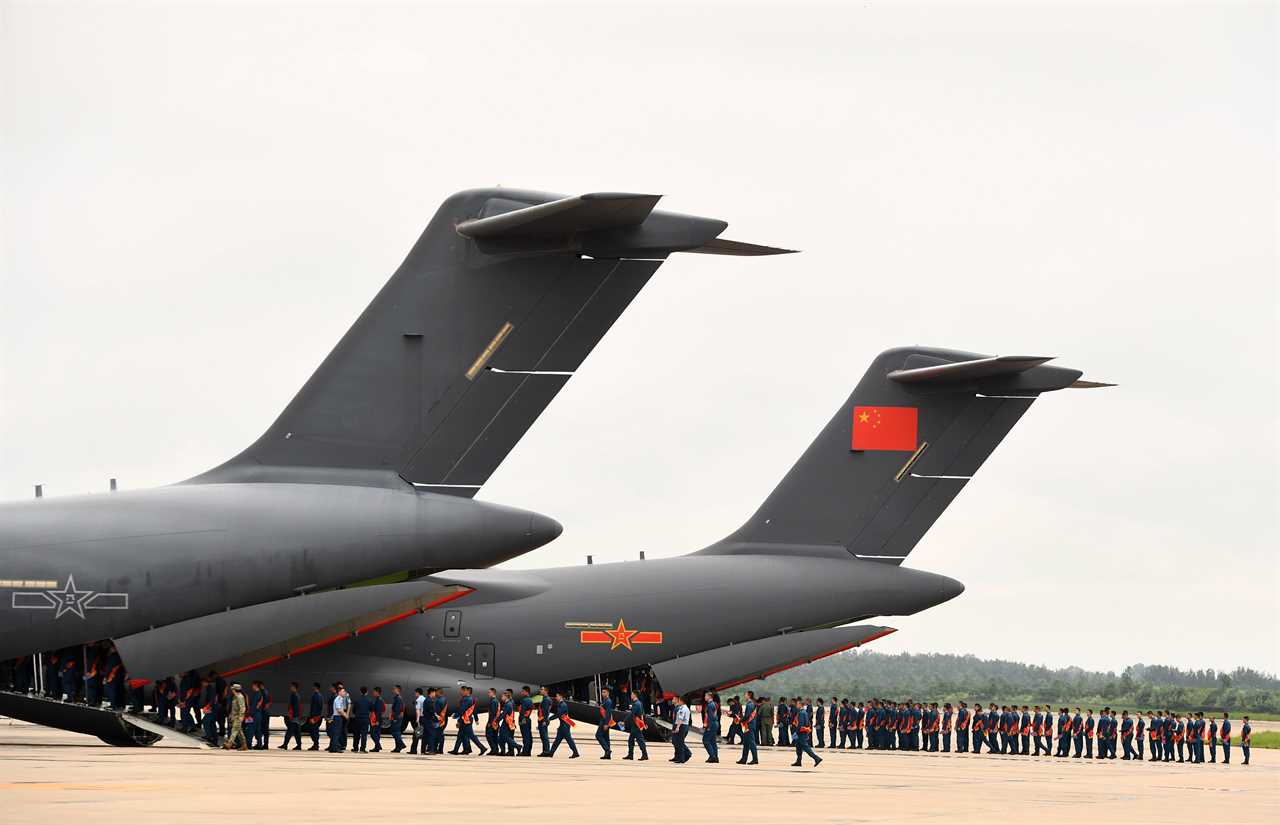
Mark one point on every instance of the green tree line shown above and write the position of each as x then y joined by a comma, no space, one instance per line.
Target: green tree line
941,677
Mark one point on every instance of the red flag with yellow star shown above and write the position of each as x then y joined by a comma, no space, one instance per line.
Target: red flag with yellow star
884,428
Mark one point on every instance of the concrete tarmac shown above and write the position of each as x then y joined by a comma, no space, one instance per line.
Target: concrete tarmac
46,773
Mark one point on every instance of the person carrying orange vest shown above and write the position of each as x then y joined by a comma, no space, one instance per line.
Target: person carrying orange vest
564,733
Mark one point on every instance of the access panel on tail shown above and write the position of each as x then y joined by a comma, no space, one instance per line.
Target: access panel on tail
917,427
497,304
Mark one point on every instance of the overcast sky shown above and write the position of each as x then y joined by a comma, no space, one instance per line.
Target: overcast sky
197,202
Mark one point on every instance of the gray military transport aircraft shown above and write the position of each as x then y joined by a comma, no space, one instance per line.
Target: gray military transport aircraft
370,470
824,550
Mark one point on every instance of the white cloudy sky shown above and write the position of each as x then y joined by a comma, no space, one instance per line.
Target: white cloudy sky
198,201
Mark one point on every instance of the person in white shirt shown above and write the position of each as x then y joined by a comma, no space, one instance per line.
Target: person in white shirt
338,730
419,702
679,732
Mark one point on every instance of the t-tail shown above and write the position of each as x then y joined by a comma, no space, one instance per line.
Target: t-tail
497,304
913,433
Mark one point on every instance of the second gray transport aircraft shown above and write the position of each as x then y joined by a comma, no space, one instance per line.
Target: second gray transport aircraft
371,469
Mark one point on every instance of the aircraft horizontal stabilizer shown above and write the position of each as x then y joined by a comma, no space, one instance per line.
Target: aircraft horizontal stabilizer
599,224
255,636
726,667
1012,373
583,213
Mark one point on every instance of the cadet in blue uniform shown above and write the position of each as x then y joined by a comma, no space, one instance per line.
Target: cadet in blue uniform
977,728
361,707
842,724
250,722
1126,735
947,716
564,733
1077,734
1246,739
1213,739
711,726
430,723
820,722
315,715
293,719
605,724
833,722
962,728
491,724
209,720
262,717
114,680
803,731
188,688
635,729
377,709
748,727
1224,732
526,723
508,727
1156,732
993,728
439,704
397,719
783,716
465,714
545,707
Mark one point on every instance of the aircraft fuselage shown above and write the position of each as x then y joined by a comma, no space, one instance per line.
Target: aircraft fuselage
84,568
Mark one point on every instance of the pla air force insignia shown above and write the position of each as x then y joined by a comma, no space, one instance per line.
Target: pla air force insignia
65,599
615,637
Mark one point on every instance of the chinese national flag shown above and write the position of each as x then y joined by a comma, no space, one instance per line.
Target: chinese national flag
884,428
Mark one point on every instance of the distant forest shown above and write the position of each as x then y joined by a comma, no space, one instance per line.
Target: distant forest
938,677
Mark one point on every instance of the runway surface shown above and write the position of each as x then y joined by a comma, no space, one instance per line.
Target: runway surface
46,772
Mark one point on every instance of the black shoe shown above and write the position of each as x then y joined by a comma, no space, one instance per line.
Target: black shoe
713,761
742,761
312,748
545,755
628,756
644,758
819,762
606,756
796,765
297,747
575,756
483,751
282,747
673,759
754,762
377,750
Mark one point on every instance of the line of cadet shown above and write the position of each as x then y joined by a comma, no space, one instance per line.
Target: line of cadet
1008,729
228,716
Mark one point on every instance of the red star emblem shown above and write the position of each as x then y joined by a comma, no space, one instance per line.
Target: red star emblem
621,636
